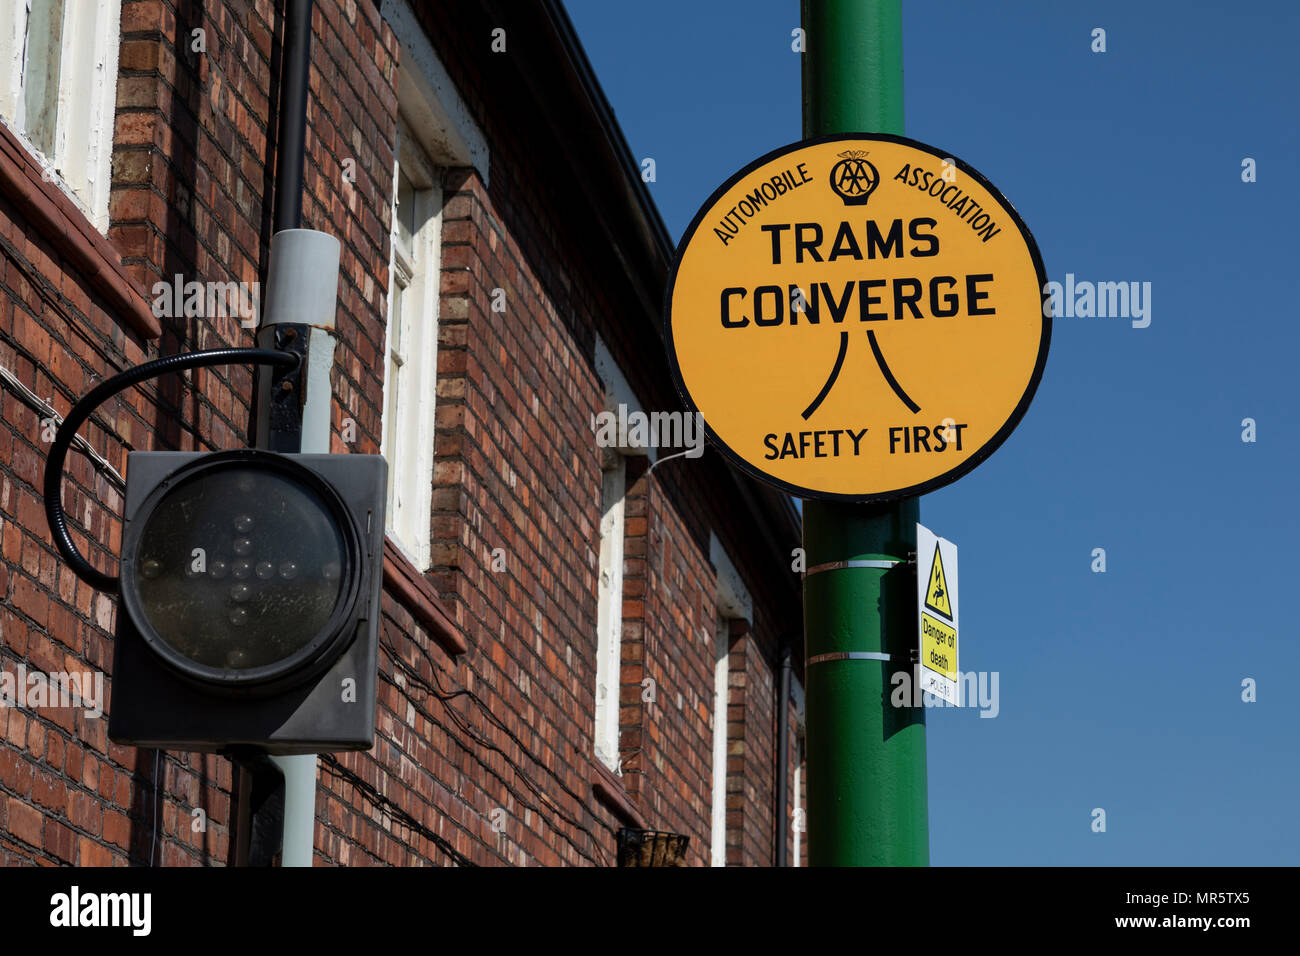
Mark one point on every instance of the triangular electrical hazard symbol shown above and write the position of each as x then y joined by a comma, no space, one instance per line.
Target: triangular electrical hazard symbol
936,596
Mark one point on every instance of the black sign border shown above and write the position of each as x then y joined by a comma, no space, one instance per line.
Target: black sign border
939,481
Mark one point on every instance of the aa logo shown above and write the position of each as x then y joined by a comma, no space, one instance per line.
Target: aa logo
853,177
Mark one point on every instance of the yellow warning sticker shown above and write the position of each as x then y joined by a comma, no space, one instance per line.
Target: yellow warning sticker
937,598
939,646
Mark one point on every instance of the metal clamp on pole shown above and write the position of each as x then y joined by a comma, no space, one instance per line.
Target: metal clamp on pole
848,656
288,388
882,564
299,315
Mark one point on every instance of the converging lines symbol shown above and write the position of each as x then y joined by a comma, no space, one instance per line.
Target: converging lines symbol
839,364
835,373
889,376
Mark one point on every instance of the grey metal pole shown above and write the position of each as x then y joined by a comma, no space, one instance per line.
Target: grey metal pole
302,299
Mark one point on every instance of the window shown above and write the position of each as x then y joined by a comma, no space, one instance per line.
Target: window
721,674
609,598
435,132
609,607
410,362
58,90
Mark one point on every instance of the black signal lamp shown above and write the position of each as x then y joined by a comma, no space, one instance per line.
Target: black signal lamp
250,585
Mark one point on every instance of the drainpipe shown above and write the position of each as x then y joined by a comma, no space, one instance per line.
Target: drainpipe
291,141
783,754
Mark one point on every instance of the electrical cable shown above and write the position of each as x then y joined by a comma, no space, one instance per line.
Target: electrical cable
97,396
462,721
446,697
330,764
487,712
48,413
463,724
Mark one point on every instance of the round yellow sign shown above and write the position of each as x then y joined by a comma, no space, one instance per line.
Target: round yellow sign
857,317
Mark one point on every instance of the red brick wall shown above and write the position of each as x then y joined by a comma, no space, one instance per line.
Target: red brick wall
484,756
678,613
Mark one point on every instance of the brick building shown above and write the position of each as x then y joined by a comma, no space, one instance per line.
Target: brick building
574,641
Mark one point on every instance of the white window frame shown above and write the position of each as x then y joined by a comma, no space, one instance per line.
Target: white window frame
619,392
439,117
436,131
733,602
721,678
609,608
411,339
609,597
81,158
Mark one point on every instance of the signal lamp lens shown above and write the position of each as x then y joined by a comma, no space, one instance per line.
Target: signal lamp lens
239,570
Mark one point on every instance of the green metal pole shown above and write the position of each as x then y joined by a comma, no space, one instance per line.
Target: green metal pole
866,758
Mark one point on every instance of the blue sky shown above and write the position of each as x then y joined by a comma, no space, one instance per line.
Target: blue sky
1122,689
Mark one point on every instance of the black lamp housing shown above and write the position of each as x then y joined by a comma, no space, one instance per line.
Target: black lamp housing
250,587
